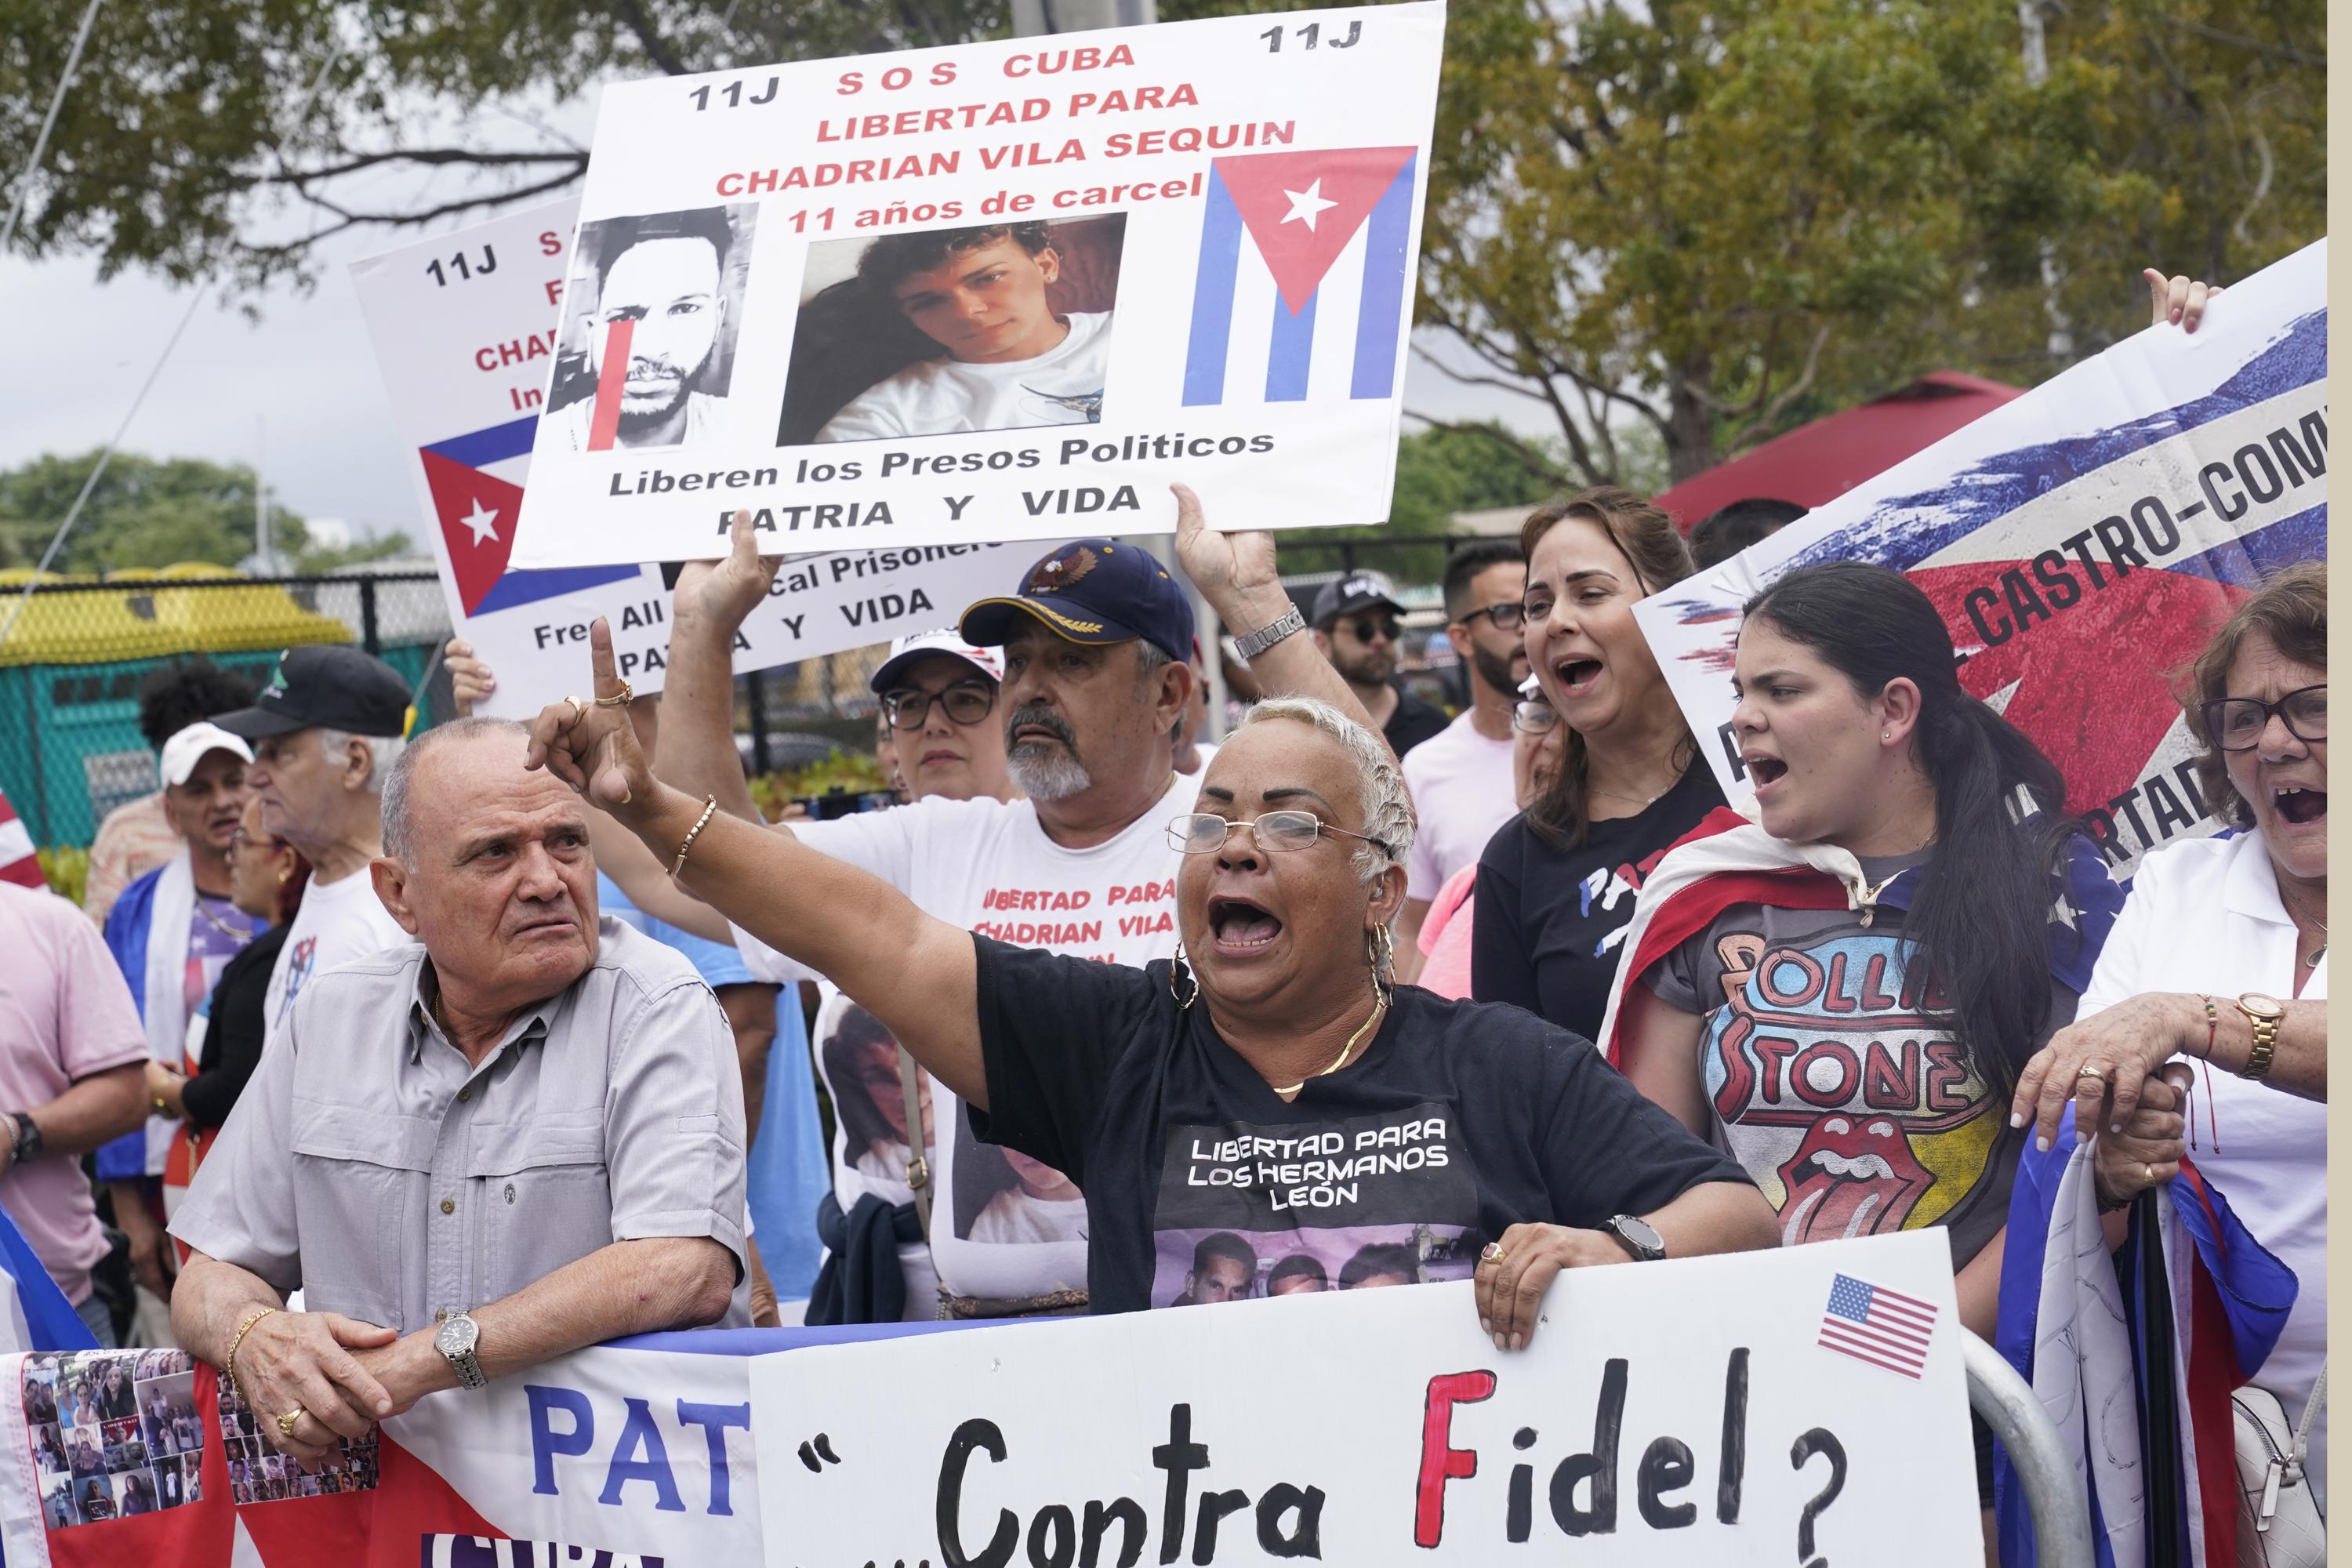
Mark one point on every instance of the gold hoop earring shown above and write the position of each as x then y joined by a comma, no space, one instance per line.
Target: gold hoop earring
1177,965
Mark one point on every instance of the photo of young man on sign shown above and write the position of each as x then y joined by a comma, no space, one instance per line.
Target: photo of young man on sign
648,340
943,332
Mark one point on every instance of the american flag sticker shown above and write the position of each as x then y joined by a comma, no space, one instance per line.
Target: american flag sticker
1883,1327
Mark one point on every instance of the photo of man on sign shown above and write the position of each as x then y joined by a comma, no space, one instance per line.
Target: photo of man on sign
940,332
654,325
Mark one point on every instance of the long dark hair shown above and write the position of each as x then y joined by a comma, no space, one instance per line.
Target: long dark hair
1980,917
1561,815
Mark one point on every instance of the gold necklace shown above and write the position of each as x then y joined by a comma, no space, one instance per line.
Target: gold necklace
2313,962
1379,1008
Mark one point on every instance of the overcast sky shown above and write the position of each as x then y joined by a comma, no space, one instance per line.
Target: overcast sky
296,391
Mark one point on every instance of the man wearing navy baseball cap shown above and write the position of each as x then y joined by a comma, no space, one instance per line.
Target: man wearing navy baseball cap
325,731
1095,636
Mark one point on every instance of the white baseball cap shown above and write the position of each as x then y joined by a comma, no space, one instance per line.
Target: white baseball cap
184,751
906,650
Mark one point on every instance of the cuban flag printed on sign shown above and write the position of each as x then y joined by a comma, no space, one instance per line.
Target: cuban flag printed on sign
1327,233
476,481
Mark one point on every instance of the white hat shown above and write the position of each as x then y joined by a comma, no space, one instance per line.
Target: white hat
906,650
184,751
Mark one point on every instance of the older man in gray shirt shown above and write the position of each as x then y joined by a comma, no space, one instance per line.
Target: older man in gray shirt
517,1136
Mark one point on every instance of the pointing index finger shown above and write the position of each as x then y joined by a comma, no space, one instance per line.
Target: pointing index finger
600,658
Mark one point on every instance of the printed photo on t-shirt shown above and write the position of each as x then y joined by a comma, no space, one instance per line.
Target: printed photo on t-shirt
952,330
1248,1211
857,1058
1004,1196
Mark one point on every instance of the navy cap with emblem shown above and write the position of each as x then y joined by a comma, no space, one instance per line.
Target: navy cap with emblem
329,686
1092,591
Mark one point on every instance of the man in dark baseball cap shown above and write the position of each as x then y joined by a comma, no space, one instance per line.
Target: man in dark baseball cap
325,732
1095,636
1357,622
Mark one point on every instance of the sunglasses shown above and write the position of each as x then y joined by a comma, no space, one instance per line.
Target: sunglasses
967,702
1204,832
2236,723
1534,717
1367,629
1509,617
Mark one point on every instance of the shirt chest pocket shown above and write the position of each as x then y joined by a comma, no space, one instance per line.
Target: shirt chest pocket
354,1169
543,1195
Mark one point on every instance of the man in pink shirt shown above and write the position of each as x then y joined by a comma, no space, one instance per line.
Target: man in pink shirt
72,1076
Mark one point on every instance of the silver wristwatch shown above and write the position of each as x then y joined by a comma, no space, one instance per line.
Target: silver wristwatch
1266,635
455,1339
1637,1236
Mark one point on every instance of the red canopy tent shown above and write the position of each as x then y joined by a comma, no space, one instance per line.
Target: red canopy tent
1817,462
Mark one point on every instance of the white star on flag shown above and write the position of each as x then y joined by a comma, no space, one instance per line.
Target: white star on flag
479,520
1306,204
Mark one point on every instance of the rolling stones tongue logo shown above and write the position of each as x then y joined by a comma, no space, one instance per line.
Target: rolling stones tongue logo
1832,1072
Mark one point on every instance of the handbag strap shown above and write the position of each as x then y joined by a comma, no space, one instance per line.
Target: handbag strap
918,1166
2311,1409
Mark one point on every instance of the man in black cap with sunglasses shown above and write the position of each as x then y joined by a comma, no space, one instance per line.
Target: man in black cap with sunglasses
1357,628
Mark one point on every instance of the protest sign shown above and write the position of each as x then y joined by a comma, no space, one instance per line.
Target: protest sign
2084,542
1806,1404
464,330
634,1453
997,291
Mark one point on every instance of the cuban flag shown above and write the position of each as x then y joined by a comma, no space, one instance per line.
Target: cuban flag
36,1315
477,485
1328,234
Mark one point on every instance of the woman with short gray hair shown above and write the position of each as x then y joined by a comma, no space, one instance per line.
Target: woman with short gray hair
1271,1088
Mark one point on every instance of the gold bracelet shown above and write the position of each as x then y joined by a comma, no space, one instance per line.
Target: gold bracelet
229,1368
710,809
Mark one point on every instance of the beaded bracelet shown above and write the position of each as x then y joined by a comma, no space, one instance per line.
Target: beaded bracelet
710,809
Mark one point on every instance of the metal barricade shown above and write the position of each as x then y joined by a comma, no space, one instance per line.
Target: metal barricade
2062,1517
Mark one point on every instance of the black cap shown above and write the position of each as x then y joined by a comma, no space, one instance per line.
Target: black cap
329,686
1350,595
1092,591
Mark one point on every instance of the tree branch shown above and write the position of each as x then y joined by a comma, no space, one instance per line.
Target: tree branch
1762,425
1529,457
350,220
633,15
438,155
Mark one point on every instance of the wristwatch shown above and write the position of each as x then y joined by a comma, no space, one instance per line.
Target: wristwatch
1637,1236
455,1339
2265,1014
26,1136
1273,632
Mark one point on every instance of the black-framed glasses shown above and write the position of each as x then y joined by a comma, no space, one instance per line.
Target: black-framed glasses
967,702
1366,628
2236,723
1534,717
1507,617
1204,832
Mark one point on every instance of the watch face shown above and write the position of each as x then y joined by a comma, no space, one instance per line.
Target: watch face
457,1336
1641,1234
2263,1006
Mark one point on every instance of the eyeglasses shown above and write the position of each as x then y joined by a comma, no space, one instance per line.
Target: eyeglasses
1367,630
1509,617
1204,832
241,840
2236,723
1534,717
967,702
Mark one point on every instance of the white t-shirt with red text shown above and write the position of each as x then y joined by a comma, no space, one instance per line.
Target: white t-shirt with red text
988,865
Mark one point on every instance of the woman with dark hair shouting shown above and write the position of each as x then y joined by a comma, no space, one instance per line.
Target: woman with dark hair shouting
1848,991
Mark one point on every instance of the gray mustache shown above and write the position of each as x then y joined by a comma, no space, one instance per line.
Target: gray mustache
1038,716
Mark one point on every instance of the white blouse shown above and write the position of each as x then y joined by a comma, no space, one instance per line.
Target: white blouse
2205,917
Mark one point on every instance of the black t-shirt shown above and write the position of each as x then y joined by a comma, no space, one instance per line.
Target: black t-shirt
1548,924
1412,722
1458,1121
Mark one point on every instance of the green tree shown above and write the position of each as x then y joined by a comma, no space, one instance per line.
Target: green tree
1467,468
146,512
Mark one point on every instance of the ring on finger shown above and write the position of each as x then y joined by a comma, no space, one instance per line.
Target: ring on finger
2089,1071
289,1421
579,709
625,696
1491,1253
2149,1172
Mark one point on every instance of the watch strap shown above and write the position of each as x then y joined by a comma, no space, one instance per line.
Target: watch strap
2266,1027
1255,643
464,1363
25,1136
1621,1226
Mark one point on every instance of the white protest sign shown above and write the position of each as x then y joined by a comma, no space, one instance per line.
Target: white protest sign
997,291
465,331
2084,542
1691,1412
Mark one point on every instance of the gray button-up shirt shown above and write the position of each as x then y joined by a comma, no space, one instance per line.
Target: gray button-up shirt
367,1163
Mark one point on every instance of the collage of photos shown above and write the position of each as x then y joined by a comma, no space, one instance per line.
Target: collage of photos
945,332
259,1473
1194,1268
113,1433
